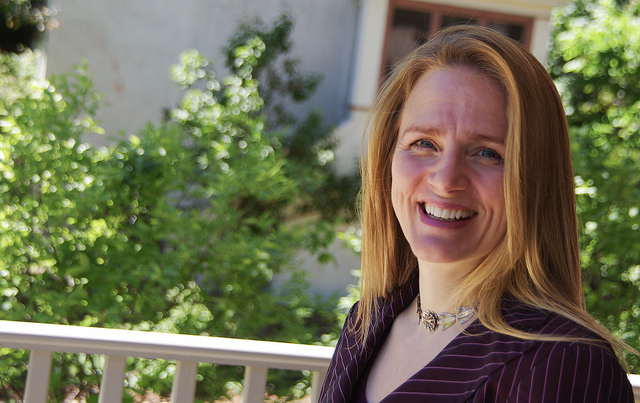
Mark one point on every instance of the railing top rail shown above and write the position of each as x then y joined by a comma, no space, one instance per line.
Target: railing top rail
180,347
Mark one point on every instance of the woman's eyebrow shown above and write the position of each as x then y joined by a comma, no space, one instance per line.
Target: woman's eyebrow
423,130
489,138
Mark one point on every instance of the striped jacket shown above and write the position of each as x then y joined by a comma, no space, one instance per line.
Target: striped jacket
486,366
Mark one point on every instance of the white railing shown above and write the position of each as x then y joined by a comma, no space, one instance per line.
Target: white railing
116,345
635,382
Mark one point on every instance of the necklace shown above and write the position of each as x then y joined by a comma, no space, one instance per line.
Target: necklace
432,320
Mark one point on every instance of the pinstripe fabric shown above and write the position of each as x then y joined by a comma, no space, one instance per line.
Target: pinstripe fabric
486,366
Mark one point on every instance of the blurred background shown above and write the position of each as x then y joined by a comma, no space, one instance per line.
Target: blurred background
191,166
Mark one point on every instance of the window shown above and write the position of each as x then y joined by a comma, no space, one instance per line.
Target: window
410,23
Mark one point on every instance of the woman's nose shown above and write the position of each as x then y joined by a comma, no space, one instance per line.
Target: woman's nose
449,174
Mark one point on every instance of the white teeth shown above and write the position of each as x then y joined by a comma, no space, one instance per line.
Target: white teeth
446,214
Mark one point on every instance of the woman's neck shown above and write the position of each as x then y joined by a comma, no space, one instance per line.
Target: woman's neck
440,282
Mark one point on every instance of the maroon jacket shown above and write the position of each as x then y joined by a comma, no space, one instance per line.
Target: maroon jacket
486,366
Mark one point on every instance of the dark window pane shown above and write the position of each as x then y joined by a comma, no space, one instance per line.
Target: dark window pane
513,31
416,19
409,29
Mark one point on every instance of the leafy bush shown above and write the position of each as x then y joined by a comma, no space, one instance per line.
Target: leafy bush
181,228
594,60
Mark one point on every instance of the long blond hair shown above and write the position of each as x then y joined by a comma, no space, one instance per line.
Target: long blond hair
537,262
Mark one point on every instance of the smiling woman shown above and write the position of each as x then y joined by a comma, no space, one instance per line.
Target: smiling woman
471,286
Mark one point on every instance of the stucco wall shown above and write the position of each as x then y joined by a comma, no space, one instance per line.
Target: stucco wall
130,45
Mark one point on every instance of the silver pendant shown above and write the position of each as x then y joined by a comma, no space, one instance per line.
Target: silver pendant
432,320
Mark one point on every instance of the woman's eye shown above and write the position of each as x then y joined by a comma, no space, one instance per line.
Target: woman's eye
490,154
424,144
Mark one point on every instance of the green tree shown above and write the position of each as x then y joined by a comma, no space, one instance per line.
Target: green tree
595,60
182,228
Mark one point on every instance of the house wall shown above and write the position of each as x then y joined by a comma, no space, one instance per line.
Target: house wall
130,45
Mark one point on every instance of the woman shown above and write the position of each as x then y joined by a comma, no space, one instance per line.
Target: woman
471,287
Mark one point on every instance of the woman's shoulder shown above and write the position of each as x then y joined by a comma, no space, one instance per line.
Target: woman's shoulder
547,332
577,365
560,337
535,320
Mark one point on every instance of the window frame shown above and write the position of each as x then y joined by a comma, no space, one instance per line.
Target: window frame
437,12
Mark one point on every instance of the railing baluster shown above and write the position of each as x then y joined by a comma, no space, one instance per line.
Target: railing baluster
184,382
255,380
316,384
112,384
36,390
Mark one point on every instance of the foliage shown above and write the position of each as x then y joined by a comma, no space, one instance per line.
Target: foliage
181,228
308,144
595,60
22,23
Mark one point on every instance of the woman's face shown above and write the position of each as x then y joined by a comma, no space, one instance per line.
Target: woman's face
447,169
